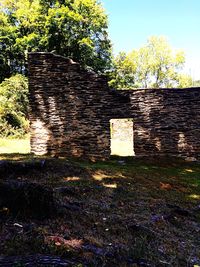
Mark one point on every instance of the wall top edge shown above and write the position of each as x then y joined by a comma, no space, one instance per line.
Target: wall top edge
157,89
144,90
69,60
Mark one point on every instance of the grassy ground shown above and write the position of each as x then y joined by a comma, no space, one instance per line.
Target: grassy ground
124,212
8,146
121,148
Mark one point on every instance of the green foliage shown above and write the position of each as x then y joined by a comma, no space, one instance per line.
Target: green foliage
124,72
14,106
155,65
76,29
184,81
196,83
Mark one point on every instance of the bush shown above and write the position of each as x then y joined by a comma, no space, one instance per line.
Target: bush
14,107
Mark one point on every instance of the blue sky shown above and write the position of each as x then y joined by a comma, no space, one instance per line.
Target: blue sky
131,22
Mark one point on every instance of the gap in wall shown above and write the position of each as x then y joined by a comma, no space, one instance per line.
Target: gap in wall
122,137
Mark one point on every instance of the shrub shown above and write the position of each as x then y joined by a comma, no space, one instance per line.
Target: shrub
14,106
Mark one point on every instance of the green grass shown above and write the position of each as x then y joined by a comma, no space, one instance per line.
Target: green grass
22,146
10,146
121,148
127,207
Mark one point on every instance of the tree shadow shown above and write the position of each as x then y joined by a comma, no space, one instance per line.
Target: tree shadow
114,205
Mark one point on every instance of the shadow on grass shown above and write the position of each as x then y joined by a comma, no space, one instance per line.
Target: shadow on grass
155,174
126,209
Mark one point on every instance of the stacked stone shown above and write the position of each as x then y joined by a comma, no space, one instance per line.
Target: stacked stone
166,121
71,109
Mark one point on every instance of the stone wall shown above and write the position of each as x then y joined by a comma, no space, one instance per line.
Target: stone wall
166,121
71,109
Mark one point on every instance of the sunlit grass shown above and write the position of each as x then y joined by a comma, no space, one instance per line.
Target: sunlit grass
22,146
194,196
10,146
121,148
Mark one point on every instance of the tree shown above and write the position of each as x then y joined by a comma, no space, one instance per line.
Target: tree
124,72
154,65
72,28
184,81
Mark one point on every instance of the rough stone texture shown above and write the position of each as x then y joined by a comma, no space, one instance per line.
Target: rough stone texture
71,109
167,121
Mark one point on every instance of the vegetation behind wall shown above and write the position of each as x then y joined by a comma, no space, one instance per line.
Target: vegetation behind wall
14,107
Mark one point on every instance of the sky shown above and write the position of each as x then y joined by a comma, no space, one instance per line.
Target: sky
132,22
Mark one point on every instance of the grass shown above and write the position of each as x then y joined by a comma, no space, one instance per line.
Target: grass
123,211
9,146
121,148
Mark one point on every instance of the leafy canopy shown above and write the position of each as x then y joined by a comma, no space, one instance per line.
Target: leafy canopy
72,28
155,65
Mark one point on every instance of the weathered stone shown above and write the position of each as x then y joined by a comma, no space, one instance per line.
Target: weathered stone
71,109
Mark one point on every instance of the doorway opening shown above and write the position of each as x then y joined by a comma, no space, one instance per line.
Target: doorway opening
122,138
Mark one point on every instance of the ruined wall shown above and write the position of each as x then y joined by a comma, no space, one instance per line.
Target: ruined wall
70,110
166,121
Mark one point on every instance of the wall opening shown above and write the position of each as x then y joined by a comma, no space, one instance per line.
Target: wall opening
122,137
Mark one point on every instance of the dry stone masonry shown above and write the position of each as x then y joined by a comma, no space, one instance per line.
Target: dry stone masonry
71,109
